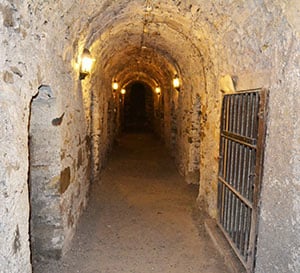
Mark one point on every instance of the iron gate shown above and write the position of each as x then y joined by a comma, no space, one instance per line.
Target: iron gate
242,137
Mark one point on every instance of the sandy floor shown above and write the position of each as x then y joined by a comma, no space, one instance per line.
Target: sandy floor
141,218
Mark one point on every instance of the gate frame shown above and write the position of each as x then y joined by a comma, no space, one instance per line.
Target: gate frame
259,160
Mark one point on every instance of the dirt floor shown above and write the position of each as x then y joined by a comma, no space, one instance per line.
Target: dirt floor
141,218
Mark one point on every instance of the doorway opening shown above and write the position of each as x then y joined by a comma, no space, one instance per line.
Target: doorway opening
138,108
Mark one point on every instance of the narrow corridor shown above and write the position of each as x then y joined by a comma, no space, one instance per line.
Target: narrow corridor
141,218
75,74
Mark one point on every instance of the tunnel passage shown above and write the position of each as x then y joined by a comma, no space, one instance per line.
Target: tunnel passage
138,108
255,42
138,49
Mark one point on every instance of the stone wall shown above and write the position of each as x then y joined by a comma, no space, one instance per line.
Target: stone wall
35,55
45,181
260,51
17,86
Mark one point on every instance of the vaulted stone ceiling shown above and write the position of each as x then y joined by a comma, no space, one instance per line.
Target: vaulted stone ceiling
143,39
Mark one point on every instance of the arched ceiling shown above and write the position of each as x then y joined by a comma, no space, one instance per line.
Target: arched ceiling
134,39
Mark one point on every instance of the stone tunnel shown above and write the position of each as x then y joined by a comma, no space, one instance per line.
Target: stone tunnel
58,129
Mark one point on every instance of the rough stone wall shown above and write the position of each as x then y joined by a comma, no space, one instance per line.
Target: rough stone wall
170,121
17,85
34,55
75,162
194,138
158,115
44,176
14,208
168,110
280,194
59,174
149,105
261,39
106,115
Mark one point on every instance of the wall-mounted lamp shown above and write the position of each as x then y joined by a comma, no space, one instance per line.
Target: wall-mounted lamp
123,91
157,90
176,82
115,85
86,64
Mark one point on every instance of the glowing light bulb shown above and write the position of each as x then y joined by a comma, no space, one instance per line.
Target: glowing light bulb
115,85
158,90
176,82
86,63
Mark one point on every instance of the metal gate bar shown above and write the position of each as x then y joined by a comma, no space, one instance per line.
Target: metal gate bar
240,169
